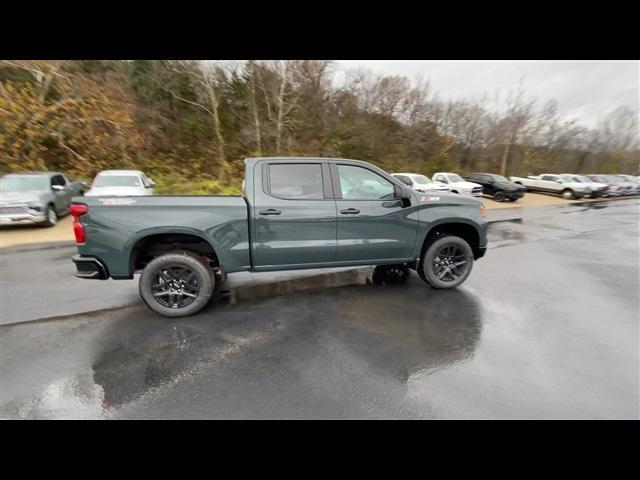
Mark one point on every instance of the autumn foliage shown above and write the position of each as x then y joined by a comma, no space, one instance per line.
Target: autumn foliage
189,125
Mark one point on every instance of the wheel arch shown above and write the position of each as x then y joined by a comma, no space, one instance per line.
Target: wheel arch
145,247
463,229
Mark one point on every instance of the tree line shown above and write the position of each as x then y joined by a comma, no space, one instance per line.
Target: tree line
190,124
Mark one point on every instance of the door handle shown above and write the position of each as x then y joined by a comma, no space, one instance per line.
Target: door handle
270,211
350,211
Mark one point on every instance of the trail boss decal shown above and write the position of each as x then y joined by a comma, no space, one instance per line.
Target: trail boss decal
425,199
116,201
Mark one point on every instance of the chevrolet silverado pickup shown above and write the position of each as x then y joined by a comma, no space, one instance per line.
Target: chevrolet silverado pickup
295,213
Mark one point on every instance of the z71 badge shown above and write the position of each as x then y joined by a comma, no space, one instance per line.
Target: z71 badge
429,199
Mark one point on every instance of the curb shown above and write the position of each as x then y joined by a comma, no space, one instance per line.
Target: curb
26,247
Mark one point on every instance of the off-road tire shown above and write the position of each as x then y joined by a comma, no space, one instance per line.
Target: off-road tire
204,277
432,248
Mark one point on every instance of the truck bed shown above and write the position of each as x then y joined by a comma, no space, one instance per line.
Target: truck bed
114,225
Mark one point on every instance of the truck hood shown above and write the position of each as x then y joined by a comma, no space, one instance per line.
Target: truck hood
578,185
22,197
509,186
596,185
445,198
465,185
115,191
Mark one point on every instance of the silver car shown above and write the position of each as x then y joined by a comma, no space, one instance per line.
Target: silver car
36,197
121,183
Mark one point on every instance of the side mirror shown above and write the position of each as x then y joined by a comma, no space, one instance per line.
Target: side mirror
57,188
404,194
151,184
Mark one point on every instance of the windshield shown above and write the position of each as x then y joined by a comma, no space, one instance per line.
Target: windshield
24,183
499,178
454,177
117,181
420,179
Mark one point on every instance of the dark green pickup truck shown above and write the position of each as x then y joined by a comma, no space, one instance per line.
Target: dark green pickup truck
296,213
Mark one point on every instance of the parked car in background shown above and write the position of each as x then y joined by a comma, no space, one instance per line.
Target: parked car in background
632,182
420,183
552,183
498,186
616,186
597,189
121,183
457,184
36,197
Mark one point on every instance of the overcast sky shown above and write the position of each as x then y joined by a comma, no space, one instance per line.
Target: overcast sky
585,90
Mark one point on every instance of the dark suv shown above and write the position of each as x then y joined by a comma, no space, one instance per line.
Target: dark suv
498,186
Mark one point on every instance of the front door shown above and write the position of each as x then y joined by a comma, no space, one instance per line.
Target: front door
372,225
294,215
62,198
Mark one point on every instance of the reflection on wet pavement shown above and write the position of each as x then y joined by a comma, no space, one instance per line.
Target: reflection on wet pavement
402,327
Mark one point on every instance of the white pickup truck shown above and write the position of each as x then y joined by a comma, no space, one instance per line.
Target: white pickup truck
563,185
457,184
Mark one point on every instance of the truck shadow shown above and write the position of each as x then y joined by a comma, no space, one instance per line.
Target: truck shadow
394,327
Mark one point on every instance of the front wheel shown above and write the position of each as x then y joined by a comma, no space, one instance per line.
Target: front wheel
446,262
499,196
51,216
177,284
568,194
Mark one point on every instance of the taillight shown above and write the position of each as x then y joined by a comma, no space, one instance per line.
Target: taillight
77,210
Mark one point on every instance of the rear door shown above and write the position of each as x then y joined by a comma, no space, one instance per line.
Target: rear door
294,215
372,225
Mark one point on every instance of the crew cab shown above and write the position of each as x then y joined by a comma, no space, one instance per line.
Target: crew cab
457,184
563,185
296,213
498,186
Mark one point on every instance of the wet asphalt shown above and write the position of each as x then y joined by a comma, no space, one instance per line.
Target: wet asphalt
547,326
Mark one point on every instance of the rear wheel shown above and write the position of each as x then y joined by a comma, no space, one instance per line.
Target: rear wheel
177,284
446,262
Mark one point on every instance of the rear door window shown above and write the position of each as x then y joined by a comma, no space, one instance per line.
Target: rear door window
296,181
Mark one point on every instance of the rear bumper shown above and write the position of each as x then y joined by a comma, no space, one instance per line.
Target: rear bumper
90,268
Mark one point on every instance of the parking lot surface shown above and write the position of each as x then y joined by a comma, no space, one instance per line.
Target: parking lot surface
545,327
